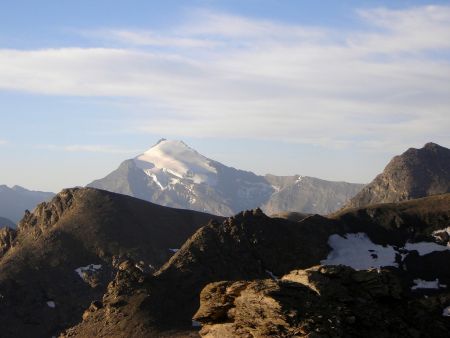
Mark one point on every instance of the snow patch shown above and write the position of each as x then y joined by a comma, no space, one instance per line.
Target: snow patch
270,273
51,304
423,284
359,252
440,235
87,268
424,248
299,179
446,312
176,159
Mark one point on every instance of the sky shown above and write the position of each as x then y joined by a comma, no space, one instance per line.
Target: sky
330,89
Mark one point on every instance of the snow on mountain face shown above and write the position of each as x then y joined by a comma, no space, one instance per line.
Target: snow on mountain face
173,174
169,161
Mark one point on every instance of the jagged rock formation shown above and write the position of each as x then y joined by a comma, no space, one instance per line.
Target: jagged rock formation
322,301
173,174
14,201
252,246
7,237
414,174
62,256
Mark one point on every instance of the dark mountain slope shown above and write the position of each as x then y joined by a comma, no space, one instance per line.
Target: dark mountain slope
414,174
245,247
88,230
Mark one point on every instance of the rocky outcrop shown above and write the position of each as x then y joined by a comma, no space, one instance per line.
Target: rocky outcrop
321,301
414,174
46,214
7,237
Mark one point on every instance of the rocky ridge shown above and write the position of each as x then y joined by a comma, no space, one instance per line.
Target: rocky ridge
414,174
63,254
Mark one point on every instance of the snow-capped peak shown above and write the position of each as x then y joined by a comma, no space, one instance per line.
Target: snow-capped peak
170,158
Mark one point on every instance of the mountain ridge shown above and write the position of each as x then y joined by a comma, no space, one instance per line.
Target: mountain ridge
414,174
172,174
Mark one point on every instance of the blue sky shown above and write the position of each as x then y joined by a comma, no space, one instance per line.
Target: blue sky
331,89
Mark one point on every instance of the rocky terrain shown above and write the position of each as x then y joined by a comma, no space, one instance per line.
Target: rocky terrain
63,254
173,174
415,173
322,301
254,252
14,201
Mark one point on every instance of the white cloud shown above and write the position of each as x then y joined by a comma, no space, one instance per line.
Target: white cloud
3,142
88,148
218,74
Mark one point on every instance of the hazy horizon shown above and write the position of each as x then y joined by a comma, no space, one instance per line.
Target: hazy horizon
331,90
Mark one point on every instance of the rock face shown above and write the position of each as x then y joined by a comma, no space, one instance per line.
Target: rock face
414,174
322,301
7,237
252,246
173,174
14,201
63,255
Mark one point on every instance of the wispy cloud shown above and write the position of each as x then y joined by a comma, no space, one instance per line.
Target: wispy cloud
88,148
3,142
220,74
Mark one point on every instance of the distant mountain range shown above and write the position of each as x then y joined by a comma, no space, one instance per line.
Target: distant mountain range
14,201
414,174
173,174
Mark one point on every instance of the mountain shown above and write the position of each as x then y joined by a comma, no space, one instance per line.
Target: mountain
415,173
282,279
307,194
173,174
63,255
14,201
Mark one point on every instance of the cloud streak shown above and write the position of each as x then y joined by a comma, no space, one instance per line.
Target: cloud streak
236,77
88,148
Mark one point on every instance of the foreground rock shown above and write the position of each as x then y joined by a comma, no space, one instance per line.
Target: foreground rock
321,302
